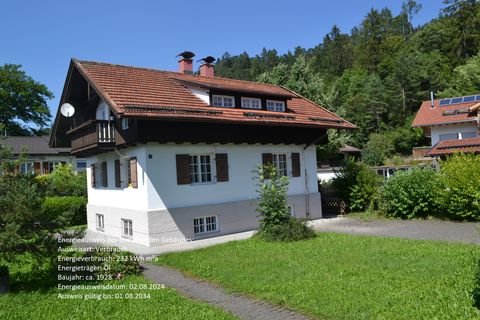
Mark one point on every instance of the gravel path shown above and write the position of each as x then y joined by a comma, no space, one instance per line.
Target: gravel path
467,232
240,306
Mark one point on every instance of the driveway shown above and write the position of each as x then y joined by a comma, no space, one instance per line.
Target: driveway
467,232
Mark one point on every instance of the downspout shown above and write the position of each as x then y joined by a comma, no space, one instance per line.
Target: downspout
307,189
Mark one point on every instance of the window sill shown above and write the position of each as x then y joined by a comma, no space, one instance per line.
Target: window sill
206,232
203,183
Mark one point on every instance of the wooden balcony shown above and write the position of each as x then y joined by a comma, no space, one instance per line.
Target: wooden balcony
420,152
93,137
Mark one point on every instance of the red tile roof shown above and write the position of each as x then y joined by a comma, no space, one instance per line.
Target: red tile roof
471,145
428,116
142,92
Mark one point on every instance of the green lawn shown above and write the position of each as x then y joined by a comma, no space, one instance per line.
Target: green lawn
163,304
336,276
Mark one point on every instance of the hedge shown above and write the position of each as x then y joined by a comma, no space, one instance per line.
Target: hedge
70,209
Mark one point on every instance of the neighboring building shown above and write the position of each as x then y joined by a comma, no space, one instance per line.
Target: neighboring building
40,158
327,167
171,156
452,124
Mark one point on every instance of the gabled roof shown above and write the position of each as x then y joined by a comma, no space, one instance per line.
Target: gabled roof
32,145
471,145
453,113
148,93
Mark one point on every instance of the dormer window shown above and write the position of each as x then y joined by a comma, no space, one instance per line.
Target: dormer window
223,101
275,105
251,103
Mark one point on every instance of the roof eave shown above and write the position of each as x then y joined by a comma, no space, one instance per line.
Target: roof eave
443,122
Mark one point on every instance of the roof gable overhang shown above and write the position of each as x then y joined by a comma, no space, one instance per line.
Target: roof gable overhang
74,69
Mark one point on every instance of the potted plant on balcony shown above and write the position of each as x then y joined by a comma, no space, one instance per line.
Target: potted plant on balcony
4,279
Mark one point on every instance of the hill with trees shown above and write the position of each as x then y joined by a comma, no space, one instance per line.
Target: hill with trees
377,75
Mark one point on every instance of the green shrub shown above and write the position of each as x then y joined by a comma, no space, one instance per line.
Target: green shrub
358,185
365,193
23,225
71,211
275,223
345,178
3,270
476,287
410,194
272,197
64,182
459,197
290,230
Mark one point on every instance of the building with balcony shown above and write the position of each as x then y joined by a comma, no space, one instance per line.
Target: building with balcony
452,124
172,155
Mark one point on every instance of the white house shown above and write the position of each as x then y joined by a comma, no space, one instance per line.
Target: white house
452,124
171,155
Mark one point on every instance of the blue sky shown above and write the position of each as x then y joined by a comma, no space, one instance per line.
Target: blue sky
43,36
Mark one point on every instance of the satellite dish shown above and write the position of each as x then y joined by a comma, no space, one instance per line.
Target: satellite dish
67,110
208,59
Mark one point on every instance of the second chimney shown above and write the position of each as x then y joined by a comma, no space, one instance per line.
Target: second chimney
207,69
185,64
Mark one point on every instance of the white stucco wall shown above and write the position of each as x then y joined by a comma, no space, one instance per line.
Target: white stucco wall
164,192
127,198
201,94
159,207
451,128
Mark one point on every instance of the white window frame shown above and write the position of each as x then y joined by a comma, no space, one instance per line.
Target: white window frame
100,222
125,123
277,163
202,223
27,167
129,228
276,105
248,103
222,99
199,175
291,210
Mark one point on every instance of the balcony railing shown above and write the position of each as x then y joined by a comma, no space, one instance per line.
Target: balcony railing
93,134
420,152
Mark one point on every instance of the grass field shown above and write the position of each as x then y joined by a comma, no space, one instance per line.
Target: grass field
34,296
336,276
163,304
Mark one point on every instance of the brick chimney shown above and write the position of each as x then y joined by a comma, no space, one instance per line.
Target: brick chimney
207,69
185,64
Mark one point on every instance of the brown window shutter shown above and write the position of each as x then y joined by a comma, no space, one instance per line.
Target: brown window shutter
183,169
295,164
133,180
104,174
221,160
118,181
36,167
93,175
267,158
